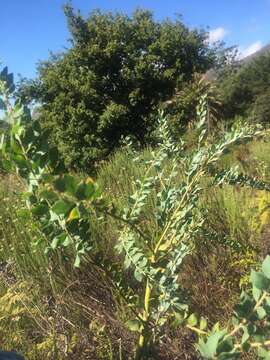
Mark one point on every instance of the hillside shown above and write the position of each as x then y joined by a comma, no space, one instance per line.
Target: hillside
262,51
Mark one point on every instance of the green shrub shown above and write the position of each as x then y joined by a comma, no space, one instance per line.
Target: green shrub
249,328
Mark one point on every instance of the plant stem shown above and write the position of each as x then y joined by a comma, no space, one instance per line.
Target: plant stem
144,333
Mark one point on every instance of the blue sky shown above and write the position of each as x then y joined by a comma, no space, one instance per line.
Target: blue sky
29,29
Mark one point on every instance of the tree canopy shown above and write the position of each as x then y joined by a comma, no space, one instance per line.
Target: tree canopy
117,71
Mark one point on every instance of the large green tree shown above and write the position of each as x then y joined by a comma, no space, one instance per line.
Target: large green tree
116,72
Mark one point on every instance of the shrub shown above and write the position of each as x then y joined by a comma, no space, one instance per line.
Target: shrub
242,88
261,108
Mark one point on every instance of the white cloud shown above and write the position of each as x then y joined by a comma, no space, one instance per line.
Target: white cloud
251,49
217,34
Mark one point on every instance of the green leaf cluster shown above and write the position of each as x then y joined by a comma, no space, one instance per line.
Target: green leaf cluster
250,327
60,203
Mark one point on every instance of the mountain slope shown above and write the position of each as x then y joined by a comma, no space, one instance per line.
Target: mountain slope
262,51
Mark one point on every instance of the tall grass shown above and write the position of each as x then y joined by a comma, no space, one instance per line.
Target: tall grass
49,310
18,236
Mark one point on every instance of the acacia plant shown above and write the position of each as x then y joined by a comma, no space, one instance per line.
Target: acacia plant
249,328
152,240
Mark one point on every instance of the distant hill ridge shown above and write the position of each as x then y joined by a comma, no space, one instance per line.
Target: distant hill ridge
211,75
258,53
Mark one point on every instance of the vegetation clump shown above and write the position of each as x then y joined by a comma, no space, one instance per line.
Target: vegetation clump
157,229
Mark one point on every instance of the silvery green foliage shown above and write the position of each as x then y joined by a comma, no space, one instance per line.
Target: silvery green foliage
249,329
175,177
233,177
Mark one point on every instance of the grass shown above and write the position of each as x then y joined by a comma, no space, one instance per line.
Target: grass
28,259
50,310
